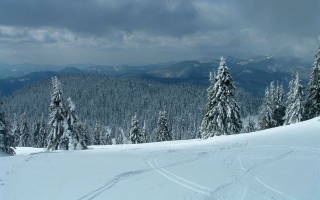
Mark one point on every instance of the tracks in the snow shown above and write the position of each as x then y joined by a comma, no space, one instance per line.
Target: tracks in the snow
245,181
179,180
95,193
248,175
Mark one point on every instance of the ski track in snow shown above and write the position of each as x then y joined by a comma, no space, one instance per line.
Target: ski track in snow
245,192
93,194
177,179
247,176
243,176
270,188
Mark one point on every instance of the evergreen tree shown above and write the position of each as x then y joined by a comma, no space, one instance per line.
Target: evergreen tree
144,133
279,105
108,140
15,130
96,135
6,138
84,135
222,111
35,133
134,133
102,137
295,108
251,126
43,133
25,136
266,115
313,99
56,138
163,133
290,96
76,140
273,108
88,133
119,138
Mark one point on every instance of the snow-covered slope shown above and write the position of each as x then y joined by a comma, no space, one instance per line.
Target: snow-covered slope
279,163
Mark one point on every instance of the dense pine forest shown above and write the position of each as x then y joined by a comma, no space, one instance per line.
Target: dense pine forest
111,103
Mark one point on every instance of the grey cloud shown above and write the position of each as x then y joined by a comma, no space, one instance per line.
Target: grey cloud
291,17
146,31
100,17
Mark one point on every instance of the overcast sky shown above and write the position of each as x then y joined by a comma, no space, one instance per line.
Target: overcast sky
115,32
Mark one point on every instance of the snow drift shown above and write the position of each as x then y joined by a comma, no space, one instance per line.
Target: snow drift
279,163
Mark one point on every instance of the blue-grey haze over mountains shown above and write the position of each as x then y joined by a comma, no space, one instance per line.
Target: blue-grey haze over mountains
139,32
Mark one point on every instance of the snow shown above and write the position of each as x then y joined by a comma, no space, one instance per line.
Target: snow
278,163
246,71
24,79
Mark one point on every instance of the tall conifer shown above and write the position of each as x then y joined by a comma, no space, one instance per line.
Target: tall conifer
222,111
163,133
6,138
313,98
56,118
135,135
295,107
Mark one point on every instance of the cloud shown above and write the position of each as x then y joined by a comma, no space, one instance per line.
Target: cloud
294,17
143,31
100,17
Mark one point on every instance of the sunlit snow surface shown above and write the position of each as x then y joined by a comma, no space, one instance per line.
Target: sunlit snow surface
279,163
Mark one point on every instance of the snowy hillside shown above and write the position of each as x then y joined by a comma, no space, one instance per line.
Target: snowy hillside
279,163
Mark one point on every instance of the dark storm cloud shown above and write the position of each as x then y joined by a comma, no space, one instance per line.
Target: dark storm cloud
100,17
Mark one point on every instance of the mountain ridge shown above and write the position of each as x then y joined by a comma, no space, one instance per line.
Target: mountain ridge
252,74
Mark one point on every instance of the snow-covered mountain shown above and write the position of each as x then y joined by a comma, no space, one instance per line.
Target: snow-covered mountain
19,70
279,163
252,74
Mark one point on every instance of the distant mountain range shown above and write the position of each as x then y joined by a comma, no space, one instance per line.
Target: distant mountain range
253,74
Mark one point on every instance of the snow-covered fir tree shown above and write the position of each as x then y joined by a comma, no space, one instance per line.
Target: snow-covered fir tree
56,138
251,126
119,136
102,137
107,139
96,135
35,131
266,115
134,132
71,120
6,138
40,140
295,107
313,98
290,94
279,105
163,133
15,130
83,134
76,140
144,133
273,108
25,136
222,111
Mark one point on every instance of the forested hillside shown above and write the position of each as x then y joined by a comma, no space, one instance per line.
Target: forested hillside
113,102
